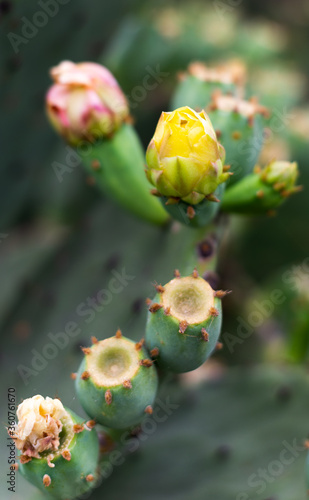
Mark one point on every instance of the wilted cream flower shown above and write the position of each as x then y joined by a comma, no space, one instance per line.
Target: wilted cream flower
39,425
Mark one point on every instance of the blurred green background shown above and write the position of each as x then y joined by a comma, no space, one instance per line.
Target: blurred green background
62,242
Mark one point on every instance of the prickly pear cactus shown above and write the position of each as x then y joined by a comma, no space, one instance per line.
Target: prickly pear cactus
240,432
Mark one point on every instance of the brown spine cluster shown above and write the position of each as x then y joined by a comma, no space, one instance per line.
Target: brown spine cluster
66,455
85,375
127,384
46,480
149,410
108,397
205,335
154,353
147,363
139,345
213,312
155,307
183,325
77,428
118,334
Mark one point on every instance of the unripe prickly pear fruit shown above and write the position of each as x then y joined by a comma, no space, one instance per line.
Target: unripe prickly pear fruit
85,101
239,125
264,190
185,160
58,453
196,87
184,323
116,382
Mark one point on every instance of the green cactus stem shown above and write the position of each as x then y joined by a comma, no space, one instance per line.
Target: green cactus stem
116,166
117,382
70,470
263,191
239,125
184,323
195,88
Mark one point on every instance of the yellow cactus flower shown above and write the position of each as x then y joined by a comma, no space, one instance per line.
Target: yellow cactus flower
184,157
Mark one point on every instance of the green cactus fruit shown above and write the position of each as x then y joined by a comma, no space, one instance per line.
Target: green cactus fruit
117,382
194,215
69,470
184,323
196,87
239,126
263,191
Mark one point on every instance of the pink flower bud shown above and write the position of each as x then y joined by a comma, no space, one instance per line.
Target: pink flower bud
85,102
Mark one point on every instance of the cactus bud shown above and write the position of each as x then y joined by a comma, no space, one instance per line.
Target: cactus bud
184,157
53,456
264,190
122,382
184,338
184,162
87,107
85,101
281,174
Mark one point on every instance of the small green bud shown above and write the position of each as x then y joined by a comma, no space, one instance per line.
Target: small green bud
282,174
58,453
116,382
184,323
262,191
